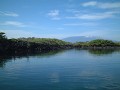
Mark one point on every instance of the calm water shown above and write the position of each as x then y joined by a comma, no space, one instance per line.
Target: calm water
62,70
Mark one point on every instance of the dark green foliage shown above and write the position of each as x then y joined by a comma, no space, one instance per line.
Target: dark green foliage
97,43
102,43
45,41
31,45
2,35
46,44
81,44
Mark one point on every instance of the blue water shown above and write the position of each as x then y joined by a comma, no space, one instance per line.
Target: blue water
62,70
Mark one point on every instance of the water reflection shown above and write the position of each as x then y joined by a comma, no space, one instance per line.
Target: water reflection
61,70
5,58
54,77
100,52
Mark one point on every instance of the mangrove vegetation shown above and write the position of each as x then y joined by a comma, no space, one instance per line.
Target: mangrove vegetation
32,44
21,45
98,43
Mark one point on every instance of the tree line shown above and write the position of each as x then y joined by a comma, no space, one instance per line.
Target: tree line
98,43
21,45
32,44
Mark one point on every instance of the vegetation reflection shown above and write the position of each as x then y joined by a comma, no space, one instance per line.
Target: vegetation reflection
5,58
100,52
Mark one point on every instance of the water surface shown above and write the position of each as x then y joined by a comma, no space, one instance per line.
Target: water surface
62,70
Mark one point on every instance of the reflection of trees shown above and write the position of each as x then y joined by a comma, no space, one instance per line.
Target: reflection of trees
6,57
49,53
3,60
102,51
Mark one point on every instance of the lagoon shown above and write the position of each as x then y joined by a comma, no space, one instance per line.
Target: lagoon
61,70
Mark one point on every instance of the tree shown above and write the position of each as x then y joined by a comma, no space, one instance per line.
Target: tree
2,35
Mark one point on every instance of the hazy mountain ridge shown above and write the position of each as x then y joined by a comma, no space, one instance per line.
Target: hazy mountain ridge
79,39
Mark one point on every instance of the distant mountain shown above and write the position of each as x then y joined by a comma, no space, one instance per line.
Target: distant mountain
79,39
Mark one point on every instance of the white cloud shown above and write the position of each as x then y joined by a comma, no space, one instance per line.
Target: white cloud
80,24
76,11
94,16
13,23
109,5
91,3
56,18
12,14
105,5
54,14
60,28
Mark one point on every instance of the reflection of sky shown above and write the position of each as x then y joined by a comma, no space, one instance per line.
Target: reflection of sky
102,80
54,78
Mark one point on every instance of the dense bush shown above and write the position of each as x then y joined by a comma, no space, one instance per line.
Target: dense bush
102,43
31,44
45,41
97,43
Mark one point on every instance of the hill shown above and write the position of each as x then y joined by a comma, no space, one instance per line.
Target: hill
79,39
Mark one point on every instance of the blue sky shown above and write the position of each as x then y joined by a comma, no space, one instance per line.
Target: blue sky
60,18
